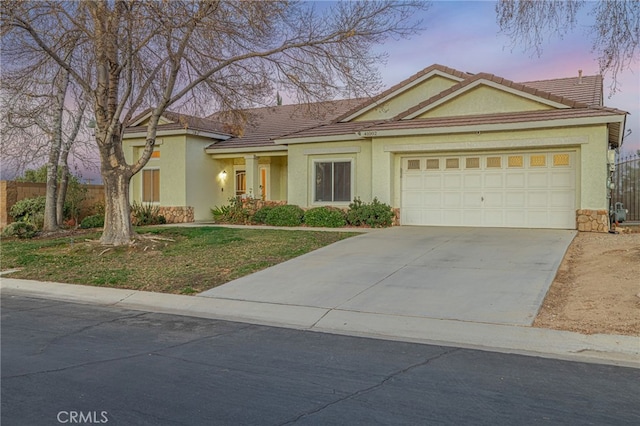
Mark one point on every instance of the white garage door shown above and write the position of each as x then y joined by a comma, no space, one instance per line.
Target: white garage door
519,190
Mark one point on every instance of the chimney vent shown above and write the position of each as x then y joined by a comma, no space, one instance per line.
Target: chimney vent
579,76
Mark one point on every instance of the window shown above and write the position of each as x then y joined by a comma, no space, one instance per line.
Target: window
515,161
241,182
538,160
151,186
494,162
333,181
453,163
433,164
413,164
472,162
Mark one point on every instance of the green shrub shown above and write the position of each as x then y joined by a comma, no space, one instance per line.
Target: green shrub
95,221
219,214
375,214
146,214
261,215
326,217
287,215
29,210
20,230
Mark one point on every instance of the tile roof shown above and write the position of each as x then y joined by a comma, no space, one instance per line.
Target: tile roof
501,118
268,123
416,76
332,129
183,121
499,80
587,89
583,96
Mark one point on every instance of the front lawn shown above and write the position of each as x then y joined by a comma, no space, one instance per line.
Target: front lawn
168,260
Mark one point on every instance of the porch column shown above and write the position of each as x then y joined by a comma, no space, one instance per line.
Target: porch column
253,175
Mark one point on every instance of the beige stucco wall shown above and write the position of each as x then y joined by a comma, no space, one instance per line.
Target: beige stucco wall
301,163
484,100
201,178
171,164
186,173
402,102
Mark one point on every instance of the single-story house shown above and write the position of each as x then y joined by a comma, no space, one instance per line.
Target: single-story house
443,147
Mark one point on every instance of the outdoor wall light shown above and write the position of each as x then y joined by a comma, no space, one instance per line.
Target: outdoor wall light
223,175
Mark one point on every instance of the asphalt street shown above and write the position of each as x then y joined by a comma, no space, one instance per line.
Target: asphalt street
67,363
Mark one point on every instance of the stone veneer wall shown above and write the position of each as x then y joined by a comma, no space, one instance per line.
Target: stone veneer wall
182,214
592,220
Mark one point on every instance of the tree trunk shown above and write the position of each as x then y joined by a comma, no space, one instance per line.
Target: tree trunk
62,193
50,219
117,212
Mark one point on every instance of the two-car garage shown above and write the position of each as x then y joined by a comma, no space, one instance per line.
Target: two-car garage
515,189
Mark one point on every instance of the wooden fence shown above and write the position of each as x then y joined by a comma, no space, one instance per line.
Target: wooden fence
11,192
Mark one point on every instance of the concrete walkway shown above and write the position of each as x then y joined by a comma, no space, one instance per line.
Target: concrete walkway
451,286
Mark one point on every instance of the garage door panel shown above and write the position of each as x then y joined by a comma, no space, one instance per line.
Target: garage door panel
472,199
412,181
493,217
562,199
432,181
452,200
515,180
493,180
515,199
537,199
493,200
472,180
533,190
452,181
537,218
562,179
538,180
472,217
452,218
413,199
432,199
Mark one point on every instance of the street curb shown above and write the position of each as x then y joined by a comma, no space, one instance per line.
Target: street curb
596,348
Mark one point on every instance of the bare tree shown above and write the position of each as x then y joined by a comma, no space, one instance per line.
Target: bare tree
40,113
226,55
614,32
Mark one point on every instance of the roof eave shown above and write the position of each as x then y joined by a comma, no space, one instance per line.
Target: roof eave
314,139
275,150
521,125
179,132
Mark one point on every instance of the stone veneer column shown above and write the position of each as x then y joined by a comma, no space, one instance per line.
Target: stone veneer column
592,220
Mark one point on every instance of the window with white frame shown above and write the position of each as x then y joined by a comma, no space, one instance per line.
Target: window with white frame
332,181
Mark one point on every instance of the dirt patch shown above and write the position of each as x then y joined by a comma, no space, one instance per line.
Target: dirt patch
597,288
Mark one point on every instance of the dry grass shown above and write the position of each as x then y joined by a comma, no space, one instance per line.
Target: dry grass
168,260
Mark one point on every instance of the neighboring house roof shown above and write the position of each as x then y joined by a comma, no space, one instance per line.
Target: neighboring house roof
268,123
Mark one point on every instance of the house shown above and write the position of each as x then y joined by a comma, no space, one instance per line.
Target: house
442,147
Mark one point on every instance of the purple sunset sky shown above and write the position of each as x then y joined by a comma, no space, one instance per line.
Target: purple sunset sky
465,35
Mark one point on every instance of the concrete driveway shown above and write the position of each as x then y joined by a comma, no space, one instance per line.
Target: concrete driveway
484,275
